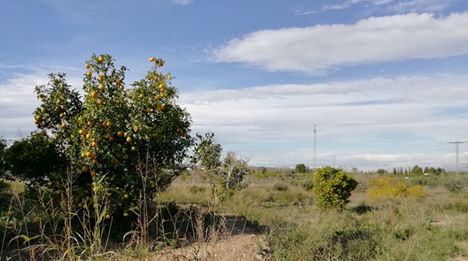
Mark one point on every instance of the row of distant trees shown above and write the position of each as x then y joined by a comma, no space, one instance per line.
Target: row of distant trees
415,170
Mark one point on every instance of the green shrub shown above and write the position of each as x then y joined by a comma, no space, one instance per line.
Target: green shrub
280,187
197,189
333,187
307,184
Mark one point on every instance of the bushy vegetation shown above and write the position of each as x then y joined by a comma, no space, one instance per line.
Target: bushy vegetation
333,187
387,187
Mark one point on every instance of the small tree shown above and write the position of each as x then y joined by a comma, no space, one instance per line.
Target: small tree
333,187
300,168
417,170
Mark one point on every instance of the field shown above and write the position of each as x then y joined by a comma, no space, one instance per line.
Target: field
275,218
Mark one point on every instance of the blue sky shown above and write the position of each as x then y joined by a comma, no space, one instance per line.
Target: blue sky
385,81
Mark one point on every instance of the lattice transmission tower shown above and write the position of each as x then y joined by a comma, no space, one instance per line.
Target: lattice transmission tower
457,162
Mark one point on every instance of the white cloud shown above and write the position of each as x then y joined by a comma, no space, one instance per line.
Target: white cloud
182,2
376,39
377,114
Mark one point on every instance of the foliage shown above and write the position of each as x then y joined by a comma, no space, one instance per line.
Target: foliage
280,187
137,138
333,187
417,170
307,184
387,187
35,159
230,175
300,168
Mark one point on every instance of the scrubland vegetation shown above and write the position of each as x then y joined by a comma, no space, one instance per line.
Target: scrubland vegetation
119,176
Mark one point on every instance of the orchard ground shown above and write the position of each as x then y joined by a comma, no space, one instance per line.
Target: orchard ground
275,218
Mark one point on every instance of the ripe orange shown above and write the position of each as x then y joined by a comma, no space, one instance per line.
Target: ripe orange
109,124
90,123
89,74
94,94
129,139
49,184
161,86
94,144
148,110
87,66
36,121
85,169
136,128
101,101
108,135
126,196
142,96
62,115
150,77
104,124
151,59
93,173
111,138
88,136
121,87
56,80
64,107
169,78
35,220
133,148
57,136
101,86
101,76
163,95
117,82
116,161
107,216
120,133
64,125
43,133
161,64
95,161
101,59
156,97
43,99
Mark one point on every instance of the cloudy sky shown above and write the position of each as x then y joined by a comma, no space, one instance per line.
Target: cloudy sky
384,81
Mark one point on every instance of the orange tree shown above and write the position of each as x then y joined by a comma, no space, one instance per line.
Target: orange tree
112,133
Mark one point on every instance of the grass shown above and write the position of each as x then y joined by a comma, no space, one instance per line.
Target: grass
433,227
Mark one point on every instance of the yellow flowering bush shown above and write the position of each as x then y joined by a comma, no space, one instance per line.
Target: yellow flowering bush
387,187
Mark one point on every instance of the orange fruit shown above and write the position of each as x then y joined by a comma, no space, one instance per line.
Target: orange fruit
133,148
43,133
169,78
151,59
87,66
95,161
111,138
129,139
121,87
93,173
109,124
142,96
49,184
156,97
101,101
94,144
101,76
101,59
148,110
120,133
64,125
64,107
90,123
89,74
57,136
117,82
85,169
101,86
43,99
56,80
94,94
